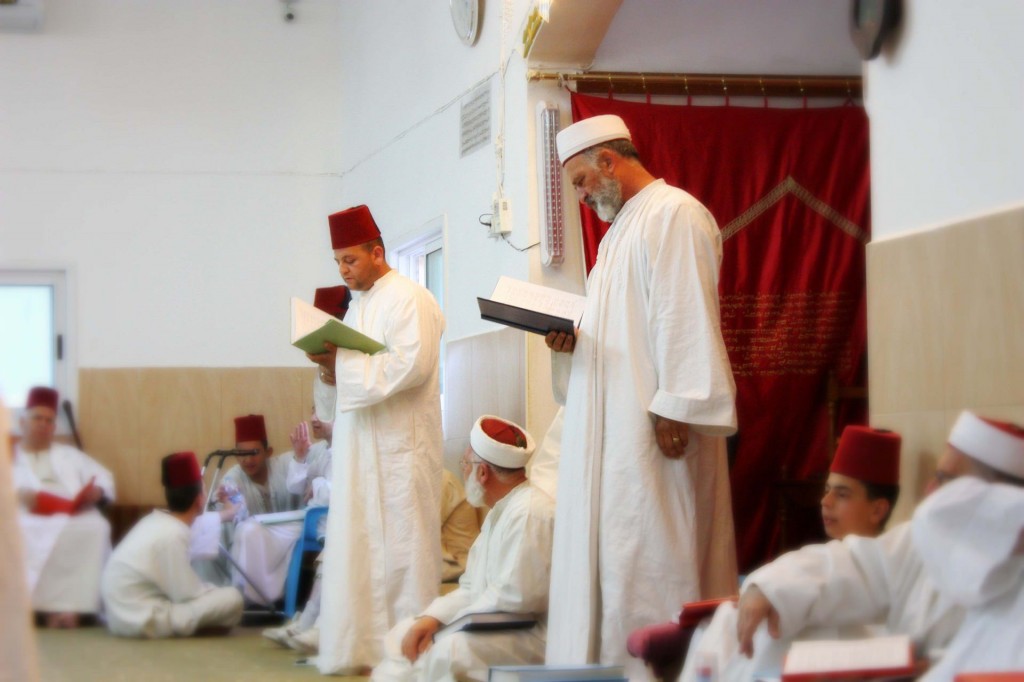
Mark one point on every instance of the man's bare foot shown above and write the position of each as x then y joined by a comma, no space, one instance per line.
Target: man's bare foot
62,621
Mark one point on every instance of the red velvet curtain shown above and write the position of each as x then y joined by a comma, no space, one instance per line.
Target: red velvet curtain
790,191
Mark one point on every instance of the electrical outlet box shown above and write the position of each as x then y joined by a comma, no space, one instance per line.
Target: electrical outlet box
501,215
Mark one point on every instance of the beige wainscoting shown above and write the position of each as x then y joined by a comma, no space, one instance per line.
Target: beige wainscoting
130,418
945,333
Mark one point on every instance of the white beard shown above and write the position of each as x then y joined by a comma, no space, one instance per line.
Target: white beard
474,490
606,200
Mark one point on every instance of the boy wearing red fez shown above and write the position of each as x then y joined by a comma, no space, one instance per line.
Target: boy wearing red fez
261,479
149,587
863,483
383,549
67,553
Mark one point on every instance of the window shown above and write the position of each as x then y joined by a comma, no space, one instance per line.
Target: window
421,259
34,347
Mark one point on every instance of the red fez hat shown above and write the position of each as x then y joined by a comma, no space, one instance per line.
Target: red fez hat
351,227
180,469
501,442
41,396
249,428
333,300
868,455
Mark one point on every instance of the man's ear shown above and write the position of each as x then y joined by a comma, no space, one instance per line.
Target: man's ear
483,473
879,510
605,160
269,451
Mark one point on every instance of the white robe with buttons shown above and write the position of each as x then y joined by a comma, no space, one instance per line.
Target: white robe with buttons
966,533
64,554
382,560
638,534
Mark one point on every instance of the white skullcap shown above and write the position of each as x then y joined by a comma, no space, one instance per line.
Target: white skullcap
998,444
584,134
501,442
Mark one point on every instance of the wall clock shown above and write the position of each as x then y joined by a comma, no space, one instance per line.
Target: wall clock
466,18
873,21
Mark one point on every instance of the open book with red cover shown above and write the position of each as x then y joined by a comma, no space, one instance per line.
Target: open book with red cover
695,611
874,658
48,504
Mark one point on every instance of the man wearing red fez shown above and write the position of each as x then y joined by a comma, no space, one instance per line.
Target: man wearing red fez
383,532
863,483
150,589
508,570
648,400
262,479
65,552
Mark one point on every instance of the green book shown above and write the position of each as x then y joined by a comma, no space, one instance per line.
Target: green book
312,327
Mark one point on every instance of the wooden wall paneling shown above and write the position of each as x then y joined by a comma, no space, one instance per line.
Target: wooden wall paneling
109,421
283,395
179,410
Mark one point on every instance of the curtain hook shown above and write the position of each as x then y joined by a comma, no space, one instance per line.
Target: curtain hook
725,91
686,88
611,87
803,93
763,93
643,82
849,93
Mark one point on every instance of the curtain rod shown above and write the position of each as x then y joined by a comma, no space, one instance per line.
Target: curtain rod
731,85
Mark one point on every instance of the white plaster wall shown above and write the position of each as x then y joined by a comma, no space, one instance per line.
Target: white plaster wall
946,104
181,157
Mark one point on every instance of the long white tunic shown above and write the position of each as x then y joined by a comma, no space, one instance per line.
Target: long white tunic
637,534
150,590
383,553
64,554
966,533
263,551
508,570
859,581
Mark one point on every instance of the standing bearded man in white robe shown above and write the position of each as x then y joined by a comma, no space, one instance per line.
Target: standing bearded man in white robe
65,553
383,551
647,523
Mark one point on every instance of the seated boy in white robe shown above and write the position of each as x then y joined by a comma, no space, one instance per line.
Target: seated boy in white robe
149,587
64,551
508,571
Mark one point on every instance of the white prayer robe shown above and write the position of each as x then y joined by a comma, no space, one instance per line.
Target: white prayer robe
638,534
508,570
859,581
966,533
64,554
17,636
263,551
383,552
150,589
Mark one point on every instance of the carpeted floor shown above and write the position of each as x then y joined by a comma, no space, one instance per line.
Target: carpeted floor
90,653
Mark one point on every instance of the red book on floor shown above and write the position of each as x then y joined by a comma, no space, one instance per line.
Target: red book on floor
695,611
48,504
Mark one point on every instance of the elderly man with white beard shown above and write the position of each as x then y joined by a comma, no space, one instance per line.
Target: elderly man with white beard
650,397
508,570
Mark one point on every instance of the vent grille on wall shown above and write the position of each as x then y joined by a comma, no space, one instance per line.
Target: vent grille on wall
475,120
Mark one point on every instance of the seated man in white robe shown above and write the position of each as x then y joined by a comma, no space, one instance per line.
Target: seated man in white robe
860,493
862,581
970,536
261,551
65,552
149,588
508,571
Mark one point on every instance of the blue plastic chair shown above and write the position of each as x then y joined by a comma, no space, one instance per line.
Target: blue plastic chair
308,542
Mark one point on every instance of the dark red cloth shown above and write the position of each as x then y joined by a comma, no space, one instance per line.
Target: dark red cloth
179,470
250,428
333,300
352,227
868,455
789,189
42,396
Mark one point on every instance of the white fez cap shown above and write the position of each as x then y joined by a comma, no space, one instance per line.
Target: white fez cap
998,444
584,134
501,442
